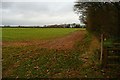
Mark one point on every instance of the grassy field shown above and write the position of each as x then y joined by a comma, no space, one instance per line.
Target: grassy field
31,61
21,34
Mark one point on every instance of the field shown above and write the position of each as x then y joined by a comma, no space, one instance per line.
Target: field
19,34
50,53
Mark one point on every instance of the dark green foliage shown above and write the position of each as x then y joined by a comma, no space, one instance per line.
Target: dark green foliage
100,17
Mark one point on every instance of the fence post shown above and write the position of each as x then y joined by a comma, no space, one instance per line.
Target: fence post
104,57
101,55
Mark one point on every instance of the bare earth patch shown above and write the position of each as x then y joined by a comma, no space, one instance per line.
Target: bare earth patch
62,43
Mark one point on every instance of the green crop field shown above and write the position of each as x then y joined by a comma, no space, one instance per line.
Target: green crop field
18,34
27,53
50,53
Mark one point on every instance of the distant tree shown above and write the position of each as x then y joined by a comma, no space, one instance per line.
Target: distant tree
19,26
68,26
7,26
44,26
77,26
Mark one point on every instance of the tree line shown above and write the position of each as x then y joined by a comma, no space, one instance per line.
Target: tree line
100,17
48,26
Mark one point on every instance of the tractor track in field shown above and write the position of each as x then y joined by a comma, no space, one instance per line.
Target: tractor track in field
62,43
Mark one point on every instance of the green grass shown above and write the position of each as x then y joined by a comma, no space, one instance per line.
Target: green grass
32,61
39,62
21,34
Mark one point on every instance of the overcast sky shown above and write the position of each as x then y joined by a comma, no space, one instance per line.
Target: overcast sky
34,12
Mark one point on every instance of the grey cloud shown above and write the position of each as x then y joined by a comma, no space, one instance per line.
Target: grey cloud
6,5
38,1
24,6
37,13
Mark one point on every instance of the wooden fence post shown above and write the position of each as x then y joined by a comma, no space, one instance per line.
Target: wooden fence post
101,55
104,57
